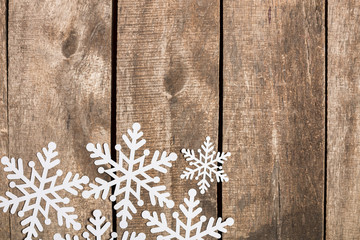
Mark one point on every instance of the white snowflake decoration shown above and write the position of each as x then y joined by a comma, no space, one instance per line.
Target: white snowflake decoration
101,226
206,165
130,170
32,195
190,212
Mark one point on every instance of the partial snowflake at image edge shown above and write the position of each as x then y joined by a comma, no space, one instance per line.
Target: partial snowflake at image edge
40,193
98,228
206,165
120,175
159,223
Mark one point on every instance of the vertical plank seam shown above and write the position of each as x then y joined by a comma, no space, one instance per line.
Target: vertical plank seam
326,116
221,103
113,97
7,86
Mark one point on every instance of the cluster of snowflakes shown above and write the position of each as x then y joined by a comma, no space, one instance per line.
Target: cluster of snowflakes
129,178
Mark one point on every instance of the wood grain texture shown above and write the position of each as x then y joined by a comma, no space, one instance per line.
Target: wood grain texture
59,89
167,80
274,121
343,192
4,218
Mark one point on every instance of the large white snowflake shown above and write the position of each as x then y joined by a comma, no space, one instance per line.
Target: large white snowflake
193,231
206,165
130,175
33,195
98,227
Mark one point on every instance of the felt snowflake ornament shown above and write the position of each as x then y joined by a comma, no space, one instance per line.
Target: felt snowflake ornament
208,163
193,231
33,194
130,175
97,228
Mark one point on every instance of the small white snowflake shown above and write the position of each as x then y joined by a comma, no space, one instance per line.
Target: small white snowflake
193,231
101,226
205,166
130,175
47,192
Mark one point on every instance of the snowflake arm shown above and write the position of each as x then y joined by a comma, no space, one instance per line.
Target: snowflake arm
32,195
218,171
58,236
208,164
159,224
190,210
18,173
97,228
133,236
130,175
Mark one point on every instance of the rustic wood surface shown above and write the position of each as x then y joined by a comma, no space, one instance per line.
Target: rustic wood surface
343,192
59,89
4,217
168,80
274,118
55,85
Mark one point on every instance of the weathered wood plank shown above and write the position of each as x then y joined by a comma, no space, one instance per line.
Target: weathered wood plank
167,77
343,203
274,121
4,218
59,89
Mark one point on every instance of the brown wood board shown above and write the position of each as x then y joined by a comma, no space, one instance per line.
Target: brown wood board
59,90
274,118
4,133
168,81
343,167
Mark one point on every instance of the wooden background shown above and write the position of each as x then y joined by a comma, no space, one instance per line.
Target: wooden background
275,82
